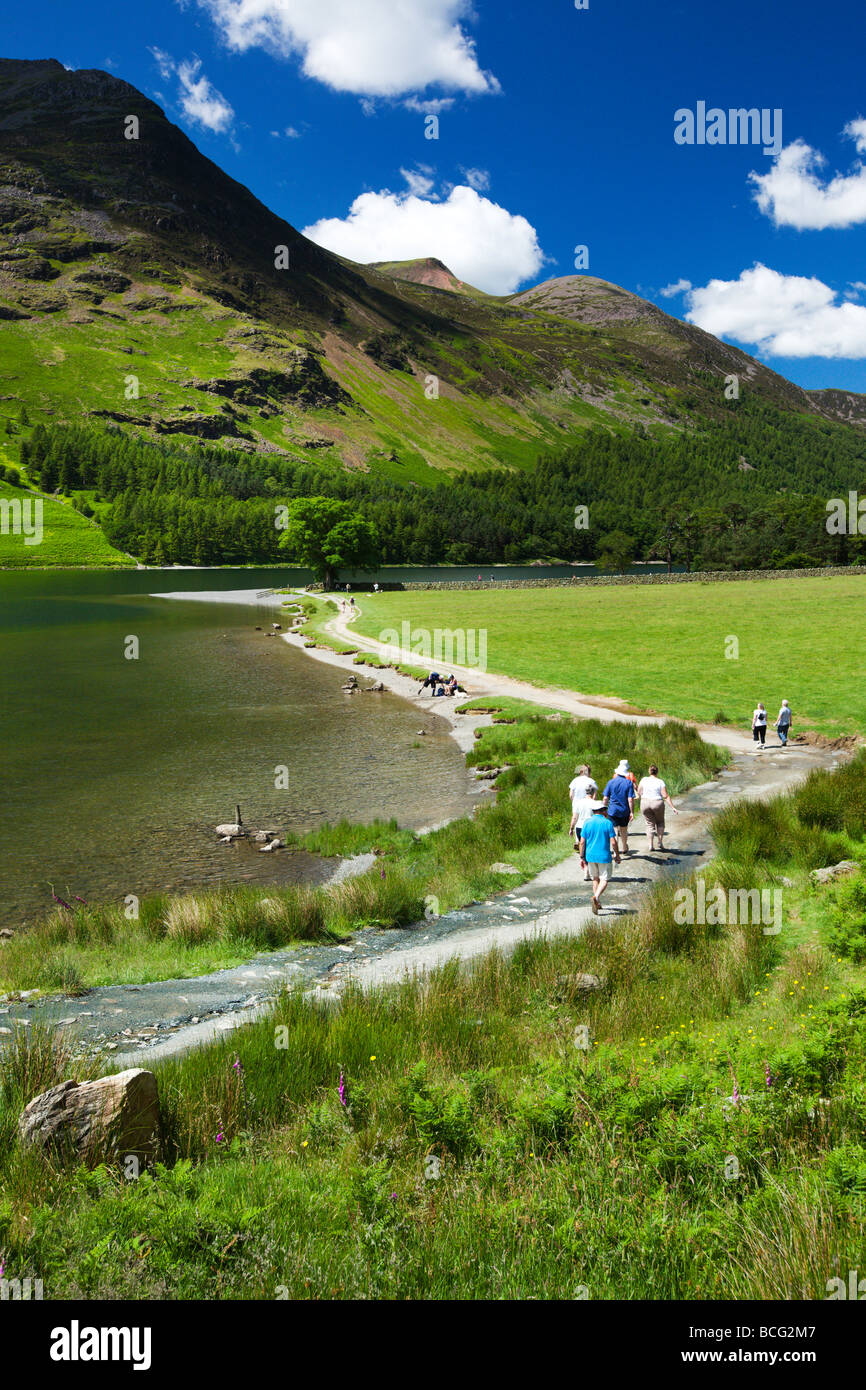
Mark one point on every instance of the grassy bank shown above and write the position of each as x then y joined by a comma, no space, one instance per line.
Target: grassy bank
208,930
664,649
706,1142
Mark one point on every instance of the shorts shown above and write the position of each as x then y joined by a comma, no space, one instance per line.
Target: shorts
619,821
599,872
654,815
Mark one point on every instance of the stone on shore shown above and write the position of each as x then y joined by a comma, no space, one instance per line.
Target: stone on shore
834,871
233,830
96,1121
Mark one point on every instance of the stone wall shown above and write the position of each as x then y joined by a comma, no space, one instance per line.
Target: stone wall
705,577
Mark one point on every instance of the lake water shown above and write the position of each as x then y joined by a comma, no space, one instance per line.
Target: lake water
115,771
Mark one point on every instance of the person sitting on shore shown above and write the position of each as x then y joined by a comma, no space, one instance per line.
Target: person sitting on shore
451,686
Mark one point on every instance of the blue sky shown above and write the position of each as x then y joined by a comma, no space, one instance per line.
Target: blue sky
556,129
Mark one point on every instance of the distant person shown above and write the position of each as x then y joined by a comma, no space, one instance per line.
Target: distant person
653,794
783,723
451,686
347,588
375,588
619,796
432,680
582,789
598,849
759,725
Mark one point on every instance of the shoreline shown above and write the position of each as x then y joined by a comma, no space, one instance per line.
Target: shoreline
174,1016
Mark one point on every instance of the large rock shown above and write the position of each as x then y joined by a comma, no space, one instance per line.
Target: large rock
834,871
96,1121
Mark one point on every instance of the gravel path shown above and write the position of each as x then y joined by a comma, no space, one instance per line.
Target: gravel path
137,1022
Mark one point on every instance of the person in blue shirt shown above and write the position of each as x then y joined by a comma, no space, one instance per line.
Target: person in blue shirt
619,802
598,849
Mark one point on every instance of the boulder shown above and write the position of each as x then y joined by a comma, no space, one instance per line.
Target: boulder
275,844
7,934
577,984
96,1121
234,830
834,871
377,687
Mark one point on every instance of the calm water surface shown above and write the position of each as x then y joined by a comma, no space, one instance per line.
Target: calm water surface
115,771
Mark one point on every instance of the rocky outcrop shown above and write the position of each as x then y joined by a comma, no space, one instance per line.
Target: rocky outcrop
96,1121
834,871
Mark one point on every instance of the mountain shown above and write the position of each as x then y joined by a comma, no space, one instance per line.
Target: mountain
139,284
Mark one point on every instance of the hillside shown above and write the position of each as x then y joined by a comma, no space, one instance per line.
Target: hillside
138,285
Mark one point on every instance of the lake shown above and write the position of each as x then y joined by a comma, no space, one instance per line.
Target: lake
116,771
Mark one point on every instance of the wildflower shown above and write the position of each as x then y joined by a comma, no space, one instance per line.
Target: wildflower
305,1143
767,1073
373,1058
342,1090
220,1137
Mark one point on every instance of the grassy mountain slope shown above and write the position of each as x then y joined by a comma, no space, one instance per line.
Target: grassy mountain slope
138,284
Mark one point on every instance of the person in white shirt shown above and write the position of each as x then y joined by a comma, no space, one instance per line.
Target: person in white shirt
653,794
759,726
581,790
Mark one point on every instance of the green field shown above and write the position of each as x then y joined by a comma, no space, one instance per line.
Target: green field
68,538
663,648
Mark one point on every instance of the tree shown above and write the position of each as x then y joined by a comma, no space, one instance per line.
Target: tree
329,535
616,551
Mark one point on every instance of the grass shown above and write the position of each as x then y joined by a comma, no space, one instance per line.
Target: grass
662,648
691,1130
68,538
527,826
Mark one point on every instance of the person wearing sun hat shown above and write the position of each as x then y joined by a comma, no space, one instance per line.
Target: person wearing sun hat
619,797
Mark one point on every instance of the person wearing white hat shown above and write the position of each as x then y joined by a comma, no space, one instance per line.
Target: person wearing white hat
619,797
783,723
598,849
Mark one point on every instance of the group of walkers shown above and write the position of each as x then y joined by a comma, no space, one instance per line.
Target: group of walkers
759,725
600,824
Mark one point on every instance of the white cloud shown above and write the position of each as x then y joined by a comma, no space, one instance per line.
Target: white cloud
199,100
784,315
793,193
678,287
432,106
478,240
420,182
369,47
479,179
